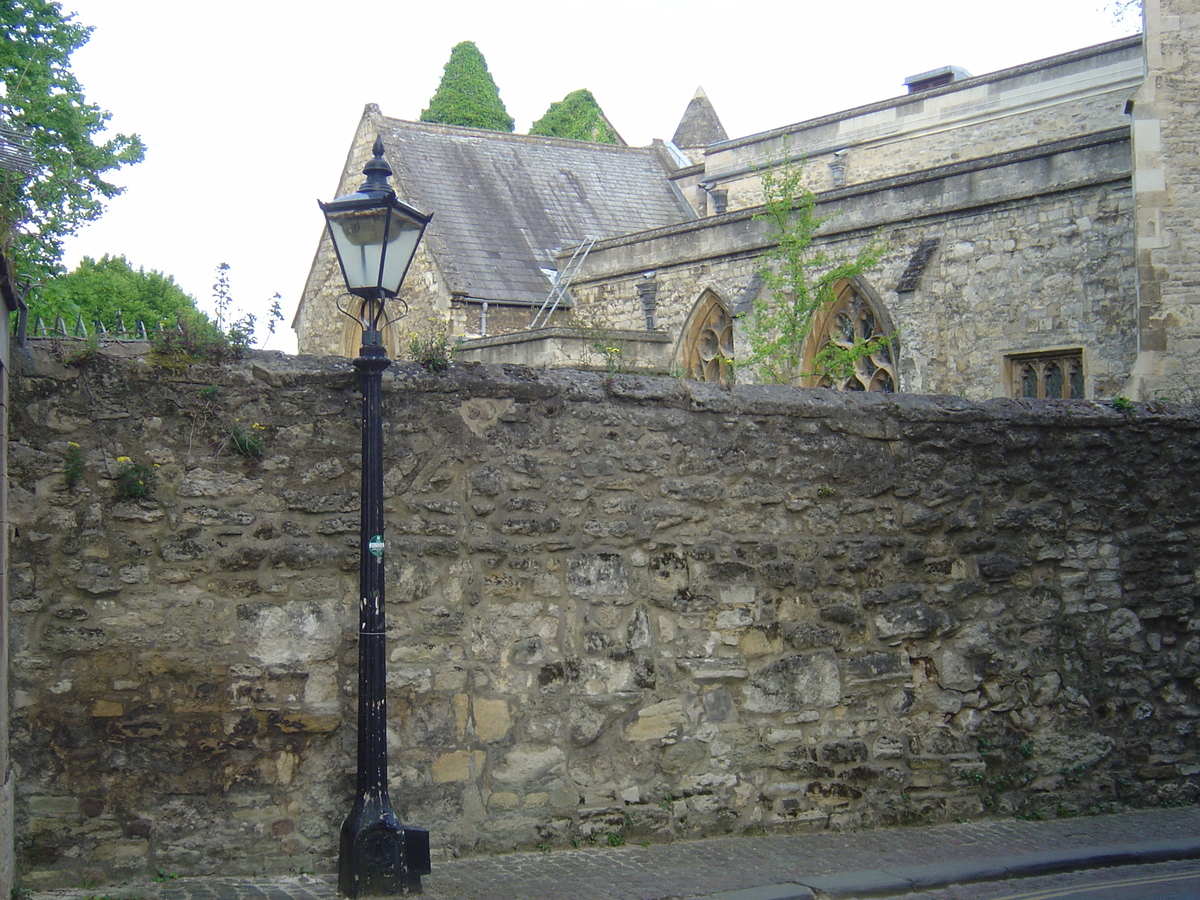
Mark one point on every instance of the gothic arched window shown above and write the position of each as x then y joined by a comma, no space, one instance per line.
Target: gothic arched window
708,341
853,318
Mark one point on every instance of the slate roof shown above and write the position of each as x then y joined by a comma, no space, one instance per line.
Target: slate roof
504,204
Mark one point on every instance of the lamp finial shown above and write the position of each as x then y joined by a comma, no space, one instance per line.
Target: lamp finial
378,172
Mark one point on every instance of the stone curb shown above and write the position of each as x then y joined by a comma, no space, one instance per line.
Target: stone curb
903,879
770,892
827,866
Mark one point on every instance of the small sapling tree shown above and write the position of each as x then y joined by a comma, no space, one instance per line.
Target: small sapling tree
800,281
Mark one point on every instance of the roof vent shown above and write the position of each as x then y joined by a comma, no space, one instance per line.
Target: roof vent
936,78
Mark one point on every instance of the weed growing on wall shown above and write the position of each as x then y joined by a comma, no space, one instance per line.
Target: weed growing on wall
135,481
222,431
800,281
73,465
599,341
432,348
229,337
247,442
80,353
239,331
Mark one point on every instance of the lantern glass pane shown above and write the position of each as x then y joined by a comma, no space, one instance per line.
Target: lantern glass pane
403,236
359,238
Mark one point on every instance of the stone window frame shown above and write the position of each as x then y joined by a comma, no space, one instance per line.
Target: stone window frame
1037,368
706,343
860,307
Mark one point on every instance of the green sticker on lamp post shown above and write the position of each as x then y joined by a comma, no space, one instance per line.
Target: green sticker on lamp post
375,545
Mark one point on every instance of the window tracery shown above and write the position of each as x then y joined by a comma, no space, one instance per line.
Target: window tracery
853,319
708,348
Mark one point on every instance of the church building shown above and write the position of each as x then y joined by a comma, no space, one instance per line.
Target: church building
1038,228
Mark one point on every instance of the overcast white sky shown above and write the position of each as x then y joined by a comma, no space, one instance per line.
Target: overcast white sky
247,107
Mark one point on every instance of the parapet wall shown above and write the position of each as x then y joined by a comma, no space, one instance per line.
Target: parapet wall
619,609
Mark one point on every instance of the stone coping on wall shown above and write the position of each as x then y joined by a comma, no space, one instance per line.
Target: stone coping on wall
532,383
278,369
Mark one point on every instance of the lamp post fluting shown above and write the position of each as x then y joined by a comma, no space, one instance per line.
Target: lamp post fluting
375,236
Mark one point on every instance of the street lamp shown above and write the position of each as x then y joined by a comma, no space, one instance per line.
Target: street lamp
375,236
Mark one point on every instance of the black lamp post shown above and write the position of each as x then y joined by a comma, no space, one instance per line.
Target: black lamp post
375,236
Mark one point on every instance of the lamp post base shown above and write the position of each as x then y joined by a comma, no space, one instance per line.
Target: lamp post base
379,857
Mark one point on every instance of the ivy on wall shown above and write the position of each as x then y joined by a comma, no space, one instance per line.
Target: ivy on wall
578,117
467,94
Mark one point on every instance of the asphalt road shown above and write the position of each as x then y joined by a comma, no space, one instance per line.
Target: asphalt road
1166,881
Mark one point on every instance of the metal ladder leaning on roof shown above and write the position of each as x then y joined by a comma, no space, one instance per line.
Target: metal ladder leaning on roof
559,290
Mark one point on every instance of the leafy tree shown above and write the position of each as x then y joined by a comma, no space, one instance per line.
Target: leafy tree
577,116
799,282
1125,12
42,99
97,290
467,94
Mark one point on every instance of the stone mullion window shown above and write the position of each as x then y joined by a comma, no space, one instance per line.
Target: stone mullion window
1049,376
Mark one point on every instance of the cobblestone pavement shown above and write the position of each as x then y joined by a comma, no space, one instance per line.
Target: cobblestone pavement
692,869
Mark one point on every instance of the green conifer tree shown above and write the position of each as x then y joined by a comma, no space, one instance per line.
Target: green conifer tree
577,116
467,94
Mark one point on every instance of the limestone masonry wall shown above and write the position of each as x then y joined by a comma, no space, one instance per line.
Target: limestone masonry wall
619,609
1070,237
1031,105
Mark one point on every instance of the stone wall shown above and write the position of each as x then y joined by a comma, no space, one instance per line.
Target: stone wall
610,350
1069,96
9,302
620,609
1166,179
1060,215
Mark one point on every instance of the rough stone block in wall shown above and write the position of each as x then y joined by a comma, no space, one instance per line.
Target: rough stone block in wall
615,604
